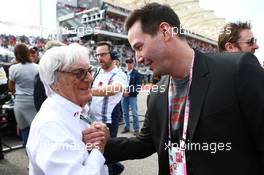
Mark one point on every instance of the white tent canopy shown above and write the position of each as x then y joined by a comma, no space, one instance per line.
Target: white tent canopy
193,17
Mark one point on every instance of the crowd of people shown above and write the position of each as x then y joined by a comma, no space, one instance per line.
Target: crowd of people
37,46
202,46
70,7
9,41
109,24
114,25
205,116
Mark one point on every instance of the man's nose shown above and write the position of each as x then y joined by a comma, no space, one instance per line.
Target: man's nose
139,58
255,46
88,77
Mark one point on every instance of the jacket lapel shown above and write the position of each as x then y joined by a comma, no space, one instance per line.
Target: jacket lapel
162,99
199,86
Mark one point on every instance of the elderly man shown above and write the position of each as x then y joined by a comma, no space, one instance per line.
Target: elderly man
55,141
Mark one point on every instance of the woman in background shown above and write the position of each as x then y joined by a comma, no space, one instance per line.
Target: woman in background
21,83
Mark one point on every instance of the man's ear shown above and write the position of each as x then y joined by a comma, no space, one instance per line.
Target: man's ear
230,47
166,30
55,87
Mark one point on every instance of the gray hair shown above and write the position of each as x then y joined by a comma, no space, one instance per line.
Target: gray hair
60,58
53,43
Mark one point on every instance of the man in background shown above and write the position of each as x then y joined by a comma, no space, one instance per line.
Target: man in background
237,37
107,88
129,98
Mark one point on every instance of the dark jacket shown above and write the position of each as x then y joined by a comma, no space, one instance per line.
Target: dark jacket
134,83
226,119
39,93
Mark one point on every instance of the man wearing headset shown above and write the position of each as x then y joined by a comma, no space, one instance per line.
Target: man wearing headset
107,89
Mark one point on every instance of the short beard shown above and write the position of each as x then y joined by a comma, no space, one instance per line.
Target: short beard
107,65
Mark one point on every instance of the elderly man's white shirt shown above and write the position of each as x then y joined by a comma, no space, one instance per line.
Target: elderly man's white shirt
102,79
55,142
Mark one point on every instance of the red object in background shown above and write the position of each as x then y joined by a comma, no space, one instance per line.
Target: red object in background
100,83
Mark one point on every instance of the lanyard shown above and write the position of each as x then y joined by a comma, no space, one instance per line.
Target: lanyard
85,115
105,101
175,153
86,119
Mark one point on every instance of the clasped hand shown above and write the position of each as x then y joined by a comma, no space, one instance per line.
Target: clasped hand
97,135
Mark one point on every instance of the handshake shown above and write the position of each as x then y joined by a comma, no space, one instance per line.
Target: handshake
97,135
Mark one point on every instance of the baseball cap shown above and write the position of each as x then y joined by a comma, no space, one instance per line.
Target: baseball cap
130,60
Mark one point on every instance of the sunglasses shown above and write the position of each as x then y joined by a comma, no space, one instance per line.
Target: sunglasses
250,41
80,73
101,54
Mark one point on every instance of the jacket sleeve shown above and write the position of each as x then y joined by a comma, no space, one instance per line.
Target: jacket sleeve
250,85
118,149
38,93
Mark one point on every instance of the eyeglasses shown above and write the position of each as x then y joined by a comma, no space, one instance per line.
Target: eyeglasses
250,41
80,73
101,54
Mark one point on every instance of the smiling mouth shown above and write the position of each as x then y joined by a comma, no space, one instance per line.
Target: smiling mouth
150,64
85,89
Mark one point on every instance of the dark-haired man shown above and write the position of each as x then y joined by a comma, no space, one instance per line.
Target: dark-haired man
209,121
237,37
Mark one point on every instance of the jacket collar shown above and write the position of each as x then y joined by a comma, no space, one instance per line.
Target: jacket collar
199,86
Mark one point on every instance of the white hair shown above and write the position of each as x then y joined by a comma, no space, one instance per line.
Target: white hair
60,58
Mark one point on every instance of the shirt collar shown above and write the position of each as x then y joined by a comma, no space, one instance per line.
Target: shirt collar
115,70
129,71
74,109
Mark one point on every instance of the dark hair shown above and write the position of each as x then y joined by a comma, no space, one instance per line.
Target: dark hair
33,51
22,53
113,54
105,43
151,16
130,60
231,33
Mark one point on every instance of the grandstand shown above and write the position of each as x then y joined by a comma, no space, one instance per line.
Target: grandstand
89,21
94,20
